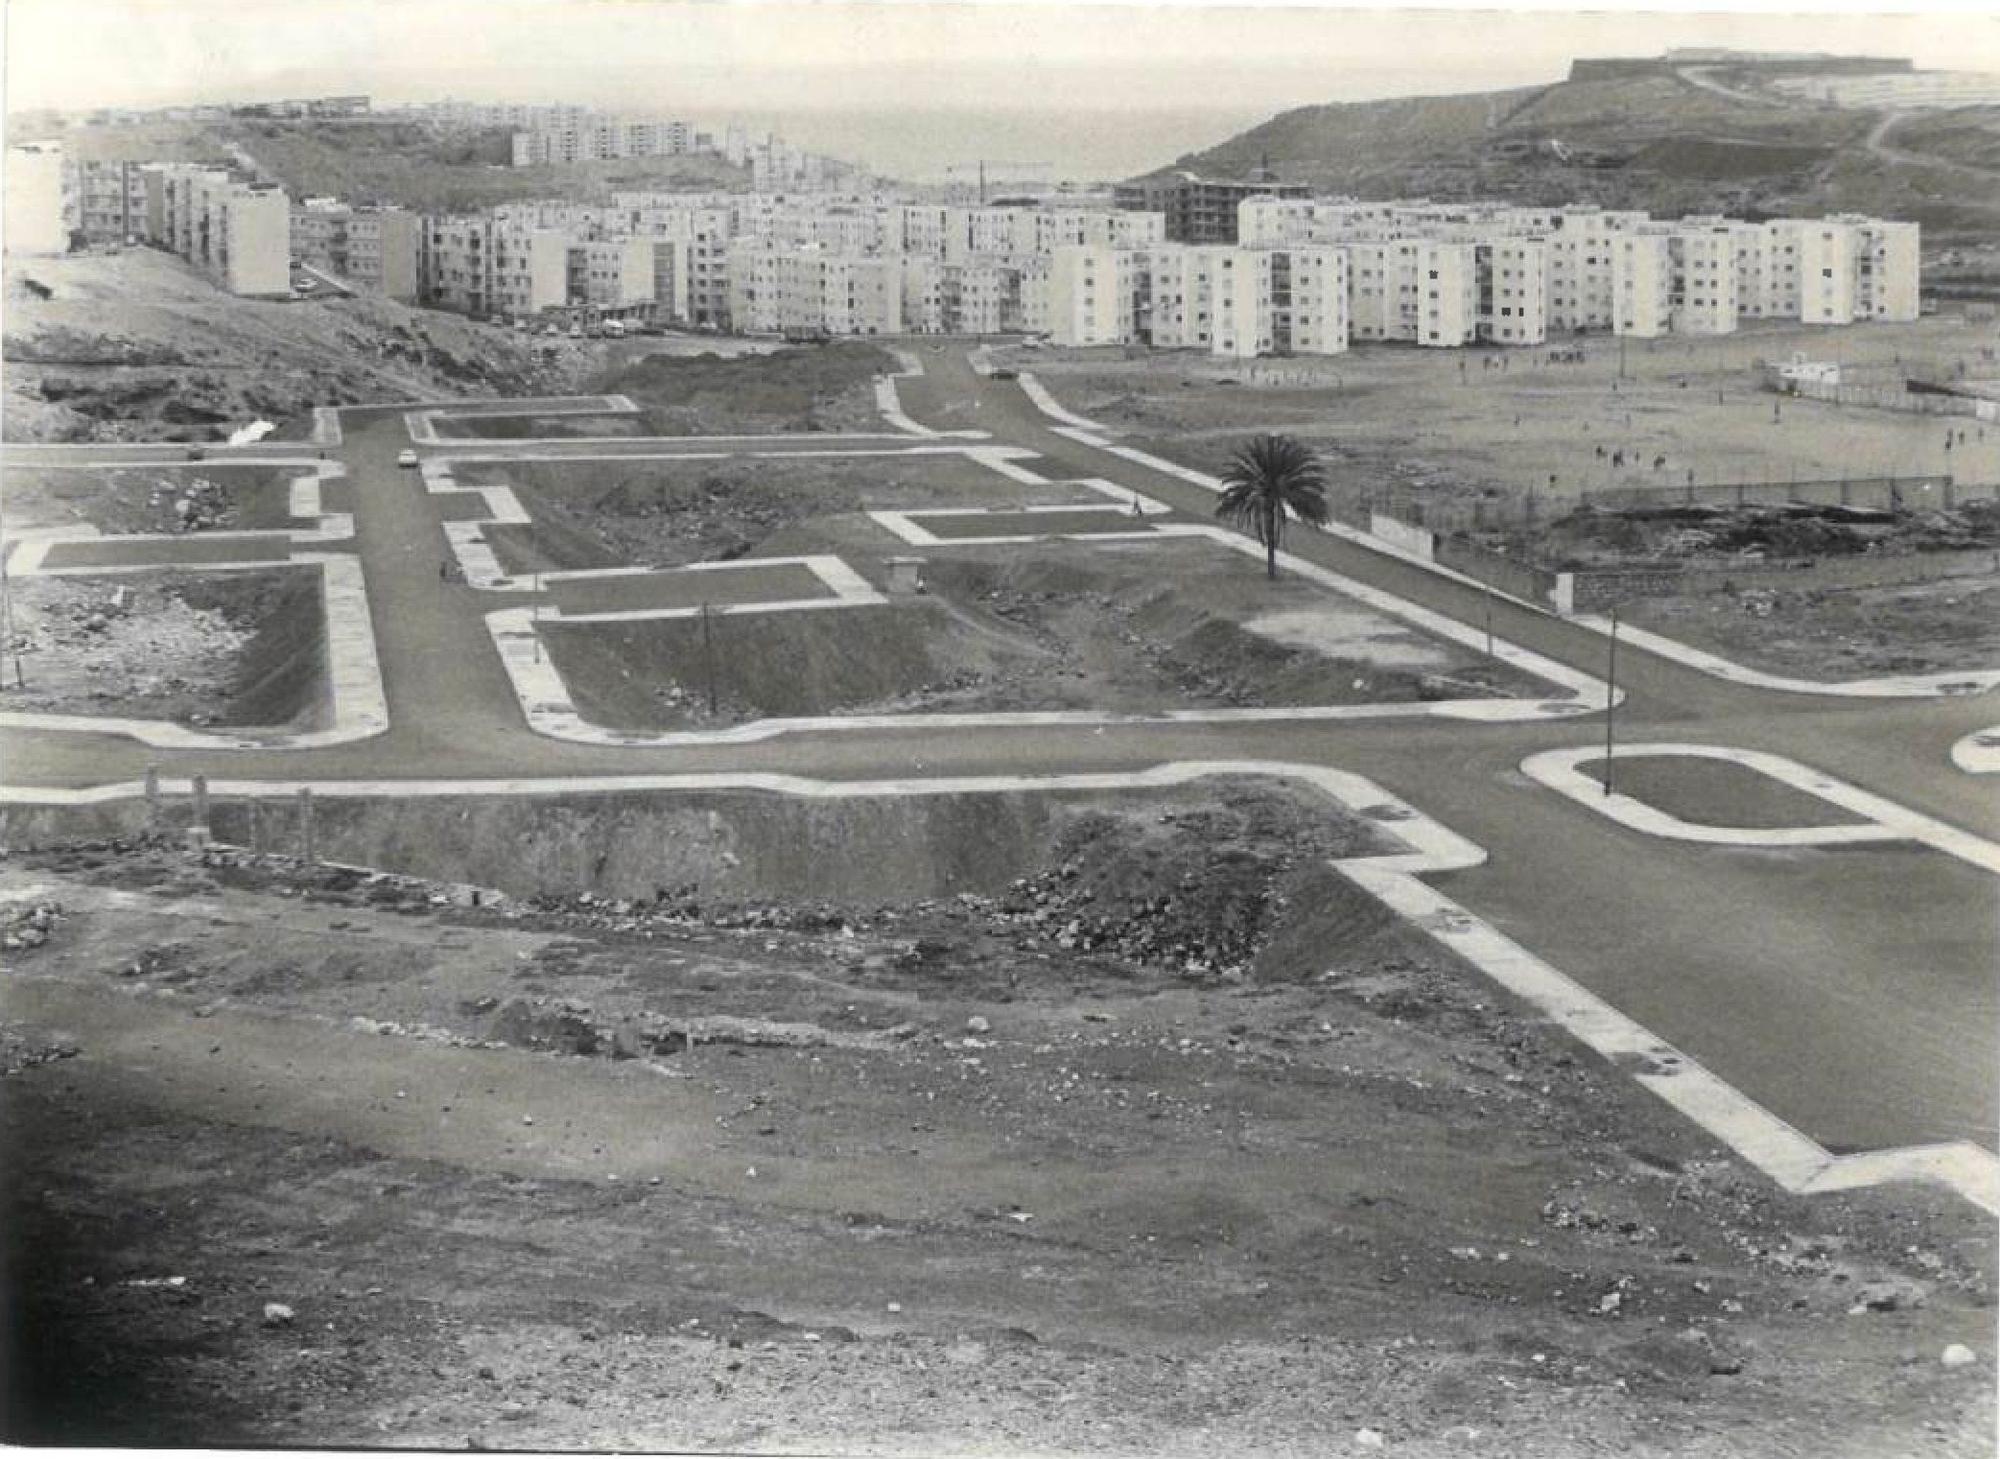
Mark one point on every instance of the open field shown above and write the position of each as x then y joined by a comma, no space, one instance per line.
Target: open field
231,648
977,1148
531,427
1484,428
147,499
608,513
1107,626
810,388
1846,633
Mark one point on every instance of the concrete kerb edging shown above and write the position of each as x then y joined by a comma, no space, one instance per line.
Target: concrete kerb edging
1979,752
1883,820
889,403
1789,1157
354,675
1092,433
422,423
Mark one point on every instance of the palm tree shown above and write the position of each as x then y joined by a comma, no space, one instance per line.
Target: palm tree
1268,477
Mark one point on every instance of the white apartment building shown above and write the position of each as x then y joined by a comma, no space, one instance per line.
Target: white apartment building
1642,276
1448,294
106,200
238,233
780,290
480,266
1886,269
1827,273
613,275
1702,291
1309,289
1088,291
33,219
378,249
1512,281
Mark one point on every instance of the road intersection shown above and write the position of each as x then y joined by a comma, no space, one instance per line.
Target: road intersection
1828,1010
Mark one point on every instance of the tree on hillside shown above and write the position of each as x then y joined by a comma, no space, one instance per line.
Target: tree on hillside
1268,478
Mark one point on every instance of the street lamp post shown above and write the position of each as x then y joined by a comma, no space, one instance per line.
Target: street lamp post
1610,700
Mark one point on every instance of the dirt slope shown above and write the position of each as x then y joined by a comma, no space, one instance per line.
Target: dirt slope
135,345
1657,142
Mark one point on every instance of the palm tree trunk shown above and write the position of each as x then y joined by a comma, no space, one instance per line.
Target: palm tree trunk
1271,510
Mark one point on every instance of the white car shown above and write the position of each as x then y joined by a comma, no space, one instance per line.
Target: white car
406,458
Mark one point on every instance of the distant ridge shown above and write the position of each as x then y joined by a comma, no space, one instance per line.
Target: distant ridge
1746,134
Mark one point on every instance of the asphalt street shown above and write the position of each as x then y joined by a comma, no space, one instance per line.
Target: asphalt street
1851,991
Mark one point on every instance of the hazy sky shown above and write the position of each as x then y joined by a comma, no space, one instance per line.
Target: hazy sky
712,60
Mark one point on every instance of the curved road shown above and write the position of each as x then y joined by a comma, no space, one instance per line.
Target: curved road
1852,992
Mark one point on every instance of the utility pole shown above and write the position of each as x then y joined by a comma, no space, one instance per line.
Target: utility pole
708,656
1610,699
1489,620
7,623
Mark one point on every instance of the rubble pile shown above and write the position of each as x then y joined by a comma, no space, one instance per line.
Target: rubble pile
199,506
28,925
88,642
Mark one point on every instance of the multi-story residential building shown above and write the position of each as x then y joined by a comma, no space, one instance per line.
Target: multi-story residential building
616,276
1309,292
1702,292
1512,284
779,290
1199,209
107,200
1827,272
239,233
1448,294
33,221
1089,294
1885,269
378,249
480,266
1642,275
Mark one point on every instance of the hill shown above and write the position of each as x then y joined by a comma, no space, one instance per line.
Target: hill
135,345
1677,139
386,160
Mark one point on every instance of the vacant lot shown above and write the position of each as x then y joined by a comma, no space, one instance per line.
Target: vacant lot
1456,422
608,513
1110,627
149,499
1068,1163
811,388
1840,633
223,648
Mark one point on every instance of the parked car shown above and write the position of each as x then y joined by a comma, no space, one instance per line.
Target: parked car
195,453
1006,375
406,458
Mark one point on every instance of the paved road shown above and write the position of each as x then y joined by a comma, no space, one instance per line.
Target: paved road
1850,991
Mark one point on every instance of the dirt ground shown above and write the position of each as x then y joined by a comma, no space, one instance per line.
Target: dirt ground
1717,792
230,648
1110,627
133,344
148,499
811,388
1839,633
316,1158
613,513
1482,427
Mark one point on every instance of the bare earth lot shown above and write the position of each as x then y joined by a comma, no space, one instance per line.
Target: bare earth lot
149,499
1847,633
226,648
986,1170
1107,626
611,513
1397,415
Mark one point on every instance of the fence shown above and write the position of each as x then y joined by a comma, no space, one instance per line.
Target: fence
1881,397
1589,592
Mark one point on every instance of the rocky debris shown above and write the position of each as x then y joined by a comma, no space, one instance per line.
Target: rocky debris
277,1314
199,506
22,1048
28,926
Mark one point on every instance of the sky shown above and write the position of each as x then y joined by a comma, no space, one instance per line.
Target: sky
708,59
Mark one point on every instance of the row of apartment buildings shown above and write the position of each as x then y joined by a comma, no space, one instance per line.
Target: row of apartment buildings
1304,275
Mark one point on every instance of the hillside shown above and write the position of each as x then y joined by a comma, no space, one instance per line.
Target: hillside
134,345
1696,139
390,161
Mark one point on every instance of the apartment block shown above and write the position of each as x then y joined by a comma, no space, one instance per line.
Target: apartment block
33,220
780,290
1827,273
1089,294
106,200
613,275
1642,285
378,249
478,266
1308,301
1512,285
238,233
1885,268
1702,290
1199,209
1448,294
